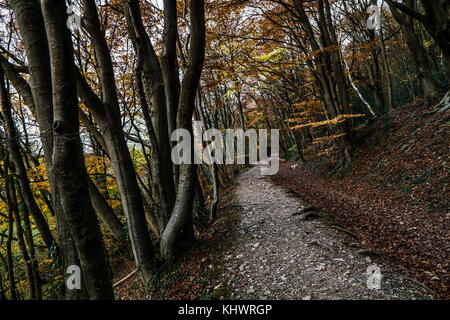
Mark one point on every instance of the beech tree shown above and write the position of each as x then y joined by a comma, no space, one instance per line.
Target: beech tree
435,19
417,50
67,155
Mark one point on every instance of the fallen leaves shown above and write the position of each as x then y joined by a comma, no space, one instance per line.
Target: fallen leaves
395,199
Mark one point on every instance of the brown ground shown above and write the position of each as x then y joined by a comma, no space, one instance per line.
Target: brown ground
395,195
197,269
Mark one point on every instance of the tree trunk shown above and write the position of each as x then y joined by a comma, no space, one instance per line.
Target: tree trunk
387,71
107,116
436,20
13,207
106,213
9,258
30,21
184,200
2,289
68,158
154,84
418,53
169,63
216,196
14,150
31,247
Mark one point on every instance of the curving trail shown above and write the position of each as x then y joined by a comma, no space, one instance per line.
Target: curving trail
281,256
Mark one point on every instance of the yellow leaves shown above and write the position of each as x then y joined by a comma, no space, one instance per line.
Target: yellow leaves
427,43
273,56
327,152
101,166
51,221
255,117
328,139
114,203
339,119
38,177
96,165
309,105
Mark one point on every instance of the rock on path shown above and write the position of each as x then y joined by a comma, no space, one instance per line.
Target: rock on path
280,256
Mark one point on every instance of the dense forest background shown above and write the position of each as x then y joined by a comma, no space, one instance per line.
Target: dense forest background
87,114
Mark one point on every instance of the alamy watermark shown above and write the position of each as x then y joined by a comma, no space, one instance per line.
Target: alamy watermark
229,147
74,18
73,281
374,277
373,273
374,21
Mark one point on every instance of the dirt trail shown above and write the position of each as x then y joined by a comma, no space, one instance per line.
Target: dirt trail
281,256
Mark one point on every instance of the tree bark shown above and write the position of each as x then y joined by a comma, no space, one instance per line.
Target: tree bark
418,53
68,158
169,63
106,113
185,194
30,243
13,207
154,83
106,213
436,20
14,150
9,258
30,21
2,289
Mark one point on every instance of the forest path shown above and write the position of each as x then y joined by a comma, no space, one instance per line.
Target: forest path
281,256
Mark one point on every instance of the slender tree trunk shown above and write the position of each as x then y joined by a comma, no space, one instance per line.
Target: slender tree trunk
387,71
12,205
158,183
375,82
106,213
2,289
169,63
369,107
326,81
30,21
154,83
9,257
418,53
336,60
107,115
68,158
30,243
184,200
41,223
216,195
14,149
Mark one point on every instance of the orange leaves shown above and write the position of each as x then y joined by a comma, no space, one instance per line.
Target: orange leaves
310,106
317,53
96,165
255,117
328,139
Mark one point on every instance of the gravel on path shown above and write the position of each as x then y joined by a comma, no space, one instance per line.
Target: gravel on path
279,255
